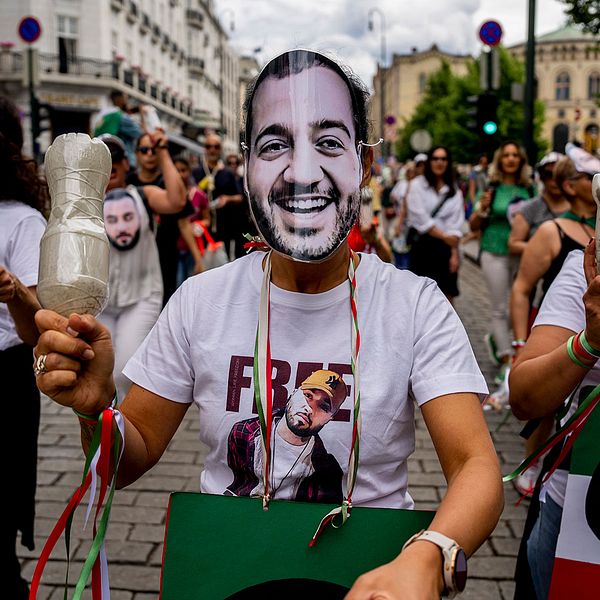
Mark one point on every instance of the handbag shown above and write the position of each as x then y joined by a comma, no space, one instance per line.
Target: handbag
213,253
225,547
412,235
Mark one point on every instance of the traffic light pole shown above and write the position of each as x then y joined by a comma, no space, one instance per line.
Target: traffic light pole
529,85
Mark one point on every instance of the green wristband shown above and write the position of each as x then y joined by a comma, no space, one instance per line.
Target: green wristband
96,417
573,356
587,346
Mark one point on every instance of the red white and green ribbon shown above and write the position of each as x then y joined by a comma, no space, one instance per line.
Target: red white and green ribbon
264,398
567,433
106,445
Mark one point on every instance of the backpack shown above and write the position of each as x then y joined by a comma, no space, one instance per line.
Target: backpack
109,122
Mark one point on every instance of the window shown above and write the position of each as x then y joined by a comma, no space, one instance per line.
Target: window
422,83
67,29
594,85
563,86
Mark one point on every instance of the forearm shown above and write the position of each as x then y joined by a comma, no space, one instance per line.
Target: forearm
135,460
519,312
516,246
479,481
185,228
235,199
22,308
176,192
540,385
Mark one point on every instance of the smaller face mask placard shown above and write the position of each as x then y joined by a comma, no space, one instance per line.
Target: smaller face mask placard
304,168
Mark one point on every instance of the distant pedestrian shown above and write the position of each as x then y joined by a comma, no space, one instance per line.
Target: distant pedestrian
510,181
116,120
436,214
225,198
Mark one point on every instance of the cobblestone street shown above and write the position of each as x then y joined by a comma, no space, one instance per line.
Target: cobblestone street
135,536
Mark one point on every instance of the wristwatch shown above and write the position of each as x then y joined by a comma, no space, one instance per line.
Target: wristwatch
454,568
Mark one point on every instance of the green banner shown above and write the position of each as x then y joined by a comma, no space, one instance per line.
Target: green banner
216,546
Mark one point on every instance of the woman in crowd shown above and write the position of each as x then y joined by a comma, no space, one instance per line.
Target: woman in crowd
436,213
545,376
509,180
550,204
541,262
22,197
190,259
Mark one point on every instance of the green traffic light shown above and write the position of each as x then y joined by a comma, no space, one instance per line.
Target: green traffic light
490,128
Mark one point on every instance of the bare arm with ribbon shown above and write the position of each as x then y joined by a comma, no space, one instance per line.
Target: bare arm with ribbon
545,372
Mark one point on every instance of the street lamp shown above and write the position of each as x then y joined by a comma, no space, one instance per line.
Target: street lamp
381,64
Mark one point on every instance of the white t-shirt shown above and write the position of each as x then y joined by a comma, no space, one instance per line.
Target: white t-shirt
21,229
413,346
422,200
563,306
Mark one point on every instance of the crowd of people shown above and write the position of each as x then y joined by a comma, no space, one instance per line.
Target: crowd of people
347,237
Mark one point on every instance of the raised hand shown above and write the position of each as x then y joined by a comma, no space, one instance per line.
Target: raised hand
77,370
591,298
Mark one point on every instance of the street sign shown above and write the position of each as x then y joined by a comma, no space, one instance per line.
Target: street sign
420,140
490,33
29,29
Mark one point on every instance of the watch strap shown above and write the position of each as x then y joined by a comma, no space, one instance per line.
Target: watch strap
446,546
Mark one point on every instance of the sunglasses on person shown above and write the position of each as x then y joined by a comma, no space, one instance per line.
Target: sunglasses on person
146,150
232,163
439,159
546,174
216,146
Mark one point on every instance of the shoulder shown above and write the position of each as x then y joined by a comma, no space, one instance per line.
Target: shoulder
245,429
15,213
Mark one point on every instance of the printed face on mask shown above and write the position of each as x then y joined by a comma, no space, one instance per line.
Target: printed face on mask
304,170
122,222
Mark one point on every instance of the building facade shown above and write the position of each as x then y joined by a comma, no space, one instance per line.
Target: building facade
171,54
567,68
404,84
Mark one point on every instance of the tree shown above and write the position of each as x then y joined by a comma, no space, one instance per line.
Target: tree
585,13
444,108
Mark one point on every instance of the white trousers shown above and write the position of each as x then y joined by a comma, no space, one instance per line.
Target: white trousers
499,273
128,327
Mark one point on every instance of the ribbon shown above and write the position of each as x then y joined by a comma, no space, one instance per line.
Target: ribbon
105,445
264,398
568,432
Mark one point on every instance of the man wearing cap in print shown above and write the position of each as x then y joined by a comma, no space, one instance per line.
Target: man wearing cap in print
235,339
305,470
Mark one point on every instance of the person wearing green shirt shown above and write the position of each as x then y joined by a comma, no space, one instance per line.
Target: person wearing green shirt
509,179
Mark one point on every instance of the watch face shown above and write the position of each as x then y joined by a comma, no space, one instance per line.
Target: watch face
460,570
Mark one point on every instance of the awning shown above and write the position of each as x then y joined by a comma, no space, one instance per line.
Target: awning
181,140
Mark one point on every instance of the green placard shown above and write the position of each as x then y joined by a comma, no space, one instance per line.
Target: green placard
216,546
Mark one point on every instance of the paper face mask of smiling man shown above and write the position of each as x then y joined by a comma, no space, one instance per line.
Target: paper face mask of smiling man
305,157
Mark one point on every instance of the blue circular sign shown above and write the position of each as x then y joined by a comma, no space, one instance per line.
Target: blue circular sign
490,33
29,29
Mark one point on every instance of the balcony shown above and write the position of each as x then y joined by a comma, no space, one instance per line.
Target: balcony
145,24
194,18
195,65
132,12
103,75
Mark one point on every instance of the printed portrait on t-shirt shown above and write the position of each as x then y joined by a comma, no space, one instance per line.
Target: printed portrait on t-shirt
301,467
305,128
122,219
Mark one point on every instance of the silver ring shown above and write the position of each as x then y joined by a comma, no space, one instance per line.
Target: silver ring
39,366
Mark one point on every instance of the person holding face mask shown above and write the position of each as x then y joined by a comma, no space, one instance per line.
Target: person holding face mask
509,180
307,159
436,212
